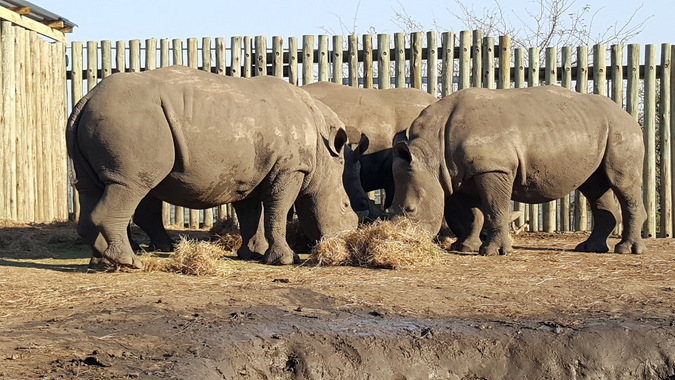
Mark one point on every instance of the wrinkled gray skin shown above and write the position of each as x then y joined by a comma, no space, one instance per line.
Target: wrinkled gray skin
477,149
379,115
197,140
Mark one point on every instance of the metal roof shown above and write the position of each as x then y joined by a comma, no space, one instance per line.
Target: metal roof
40,15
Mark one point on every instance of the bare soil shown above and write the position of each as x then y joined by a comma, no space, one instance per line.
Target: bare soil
544,312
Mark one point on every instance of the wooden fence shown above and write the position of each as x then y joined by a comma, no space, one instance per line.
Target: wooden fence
33,171
440,64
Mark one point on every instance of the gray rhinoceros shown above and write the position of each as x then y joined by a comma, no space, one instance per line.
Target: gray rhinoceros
379,115
532,145
198,140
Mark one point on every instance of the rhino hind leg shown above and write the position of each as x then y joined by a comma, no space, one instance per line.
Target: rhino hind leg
494,189
465,220
629,194
111,216
278,199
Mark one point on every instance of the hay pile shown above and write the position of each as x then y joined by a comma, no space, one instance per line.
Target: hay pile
191,257
226,233
383,244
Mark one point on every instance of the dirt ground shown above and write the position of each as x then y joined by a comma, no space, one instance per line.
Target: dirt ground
544,312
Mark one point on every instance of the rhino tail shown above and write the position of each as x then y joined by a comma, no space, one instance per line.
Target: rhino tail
74,153
179,142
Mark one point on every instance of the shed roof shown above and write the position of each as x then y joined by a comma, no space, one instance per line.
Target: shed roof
41,15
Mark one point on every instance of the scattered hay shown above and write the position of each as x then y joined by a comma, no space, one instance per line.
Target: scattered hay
191,257
226,234
383,244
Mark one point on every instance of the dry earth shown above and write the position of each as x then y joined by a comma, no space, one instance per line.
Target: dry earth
544,312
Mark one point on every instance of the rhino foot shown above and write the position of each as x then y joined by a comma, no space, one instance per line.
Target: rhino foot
280,258
627,246
465,246
118,257
493,250
162,247
244,253
592,246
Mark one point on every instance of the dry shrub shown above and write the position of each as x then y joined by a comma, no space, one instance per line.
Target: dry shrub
383,244
192,257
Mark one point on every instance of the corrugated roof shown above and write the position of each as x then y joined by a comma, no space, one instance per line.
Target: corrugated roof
40,15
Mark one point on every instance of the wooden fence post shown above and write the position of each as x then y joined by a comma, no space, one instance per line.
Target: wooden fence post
666,193
488,64
307,59
323,58
383,62
566,81
367,50
353,60
580,206
448,65
464,60
278,56
399,59
533,80
432,64
260,55
649,128
293,60
337,60
416,60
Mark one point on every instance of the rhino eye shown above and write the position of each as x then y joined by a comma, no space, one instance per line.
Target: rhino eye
409,209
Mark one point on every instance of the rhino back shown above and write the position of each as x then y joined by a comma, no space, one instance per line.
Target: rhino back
224,135
379,114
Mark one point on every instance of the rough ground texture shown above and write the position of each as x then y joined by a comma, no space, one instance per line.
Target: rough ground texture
543,312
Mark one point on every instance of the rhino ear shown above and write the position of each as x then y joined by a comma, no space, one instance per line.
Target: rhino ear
400,136
337,140
402,151
364,142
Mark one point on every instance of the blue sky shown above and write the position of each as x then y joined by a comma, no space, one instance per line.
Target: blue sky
141,19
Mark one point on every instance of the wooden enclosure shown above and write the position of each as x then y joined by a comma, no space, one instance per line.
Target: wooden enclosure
33,168
440,64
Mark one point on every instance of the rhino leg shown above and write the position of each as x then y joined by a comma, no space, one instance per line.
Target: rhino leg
465,220
494,189
111,216
86,228
629,194
249,213
279,199
148,217
605,210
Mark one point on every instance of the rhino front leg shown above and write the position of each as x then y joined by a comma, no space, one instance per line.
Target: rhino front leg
494,190
249,212
605,211
148,217
111,216
282,193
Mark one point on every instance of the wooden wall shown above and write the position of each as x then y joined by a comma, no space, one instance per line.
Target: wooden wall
33,167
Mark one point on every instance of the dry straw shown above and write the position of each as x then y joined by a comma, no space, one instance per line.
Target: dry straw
192,257
383,244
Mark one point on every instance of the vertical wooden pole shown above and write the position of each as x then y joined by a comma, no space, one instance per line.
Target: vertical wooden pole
260,55
399,59
337,60
477,59
106,59
307,59
383,61
549,208
416,60
293,60
488,62
666,194
464,60
566,81
206,55
649,129
532,81
432,63
353,60
221,56
580,206
75,95
367,50
135,56
448,65
235,57
278,56
504,62
323,58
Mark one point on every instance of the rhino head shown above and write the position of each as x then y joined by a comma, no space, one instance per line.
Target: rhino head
418,193
324,208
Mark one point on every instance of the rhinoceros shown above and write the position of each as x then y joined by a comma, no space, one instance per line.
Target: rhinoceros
532,145
379,115
198,140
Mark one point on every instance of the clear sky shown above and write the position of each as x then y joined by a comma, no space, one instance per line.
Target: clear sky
141,19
